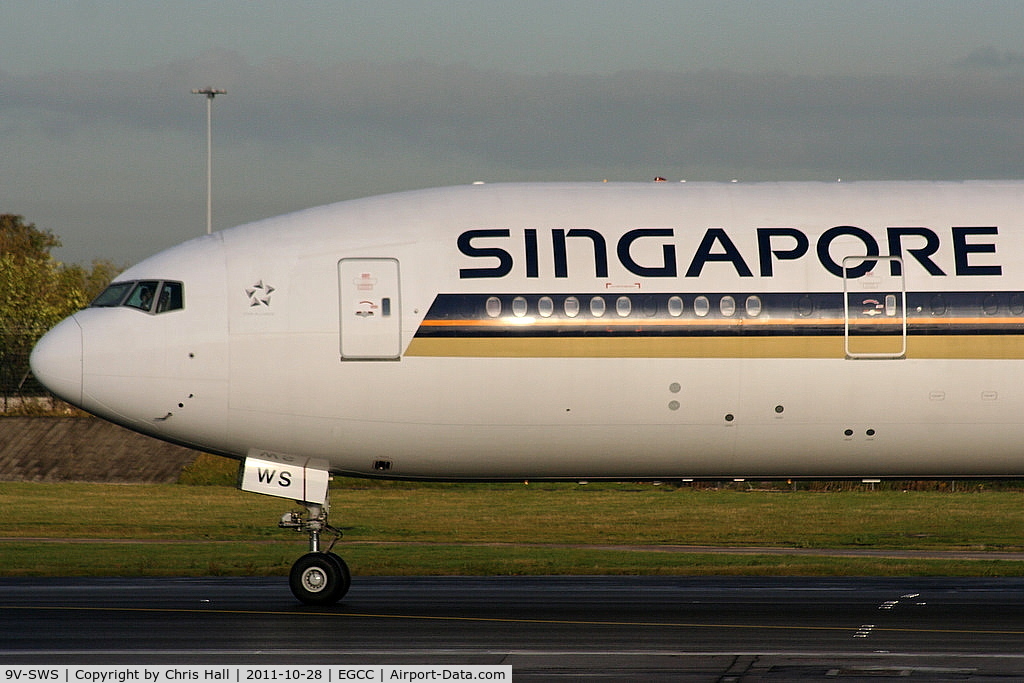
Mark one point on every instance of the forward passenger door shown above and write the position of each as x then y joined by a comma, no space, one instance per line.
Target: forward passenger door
370,309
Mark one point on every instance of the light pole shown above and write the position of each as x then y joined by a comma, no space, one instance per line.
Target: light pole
210,93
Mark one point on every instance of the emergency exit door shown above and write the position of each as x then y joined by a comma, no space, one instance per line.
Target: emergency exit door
371,320
875,307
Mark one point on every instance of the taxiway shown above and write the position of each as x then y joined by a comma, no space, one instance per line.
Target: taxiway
636,628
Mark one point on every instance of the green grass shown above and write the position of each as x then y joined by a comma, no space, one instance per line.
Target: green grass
452,529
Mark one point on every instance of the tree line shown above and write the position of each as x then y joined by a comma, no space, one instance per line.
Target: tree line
36,292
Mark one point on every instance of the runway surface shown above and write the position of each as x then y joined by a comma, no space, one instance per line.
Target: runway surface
611,628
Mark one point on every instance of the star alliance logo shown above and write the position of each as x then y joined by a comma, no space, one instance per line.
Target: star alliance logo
259,294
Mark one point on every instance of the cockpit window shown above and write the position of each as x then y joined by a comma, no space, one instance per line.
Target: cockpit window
151,296
170,298
112,295
143,295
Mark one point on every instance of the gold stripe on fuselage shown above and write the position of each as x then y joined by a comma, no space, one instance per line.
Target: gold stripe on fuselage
988,347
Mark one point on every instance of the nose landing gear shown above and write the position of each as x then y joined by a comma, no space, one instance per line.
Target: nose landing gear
318,577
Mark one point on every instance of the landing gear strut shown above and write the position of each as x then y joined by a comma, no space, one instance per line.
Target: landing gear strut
318,577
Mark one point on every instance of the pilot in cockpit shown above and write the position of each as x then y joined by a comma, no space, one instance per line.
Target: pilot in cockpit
165,300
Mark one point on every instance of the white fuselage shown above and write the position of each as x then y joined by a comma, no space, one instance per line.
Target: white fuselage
584,331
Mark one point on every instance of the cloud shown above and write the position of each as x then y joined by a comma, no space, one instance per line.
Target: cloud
992,60
291,133
950,123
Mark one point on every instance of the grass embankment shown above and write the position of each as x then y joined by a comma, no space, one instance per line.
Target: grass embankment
411,529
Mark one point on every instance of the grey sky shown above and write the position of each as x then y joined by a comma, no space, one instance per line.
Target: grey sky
105,145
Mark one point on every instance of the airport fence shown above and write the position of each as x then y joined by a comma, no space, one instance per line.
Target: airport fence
20,391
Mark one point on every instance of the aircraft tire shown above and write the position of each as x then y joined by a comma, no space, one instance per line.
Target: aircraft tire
319,578
346,576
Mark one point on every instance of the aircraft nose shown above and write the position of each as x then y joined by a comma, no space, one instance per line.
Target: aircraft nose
56,361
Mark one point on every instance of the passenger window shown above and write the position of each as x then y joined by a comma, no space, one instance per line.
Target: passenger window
571,306
545,306
597,306
1016,304
675,306
171,298
493,307
623,306
142,296
701,306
